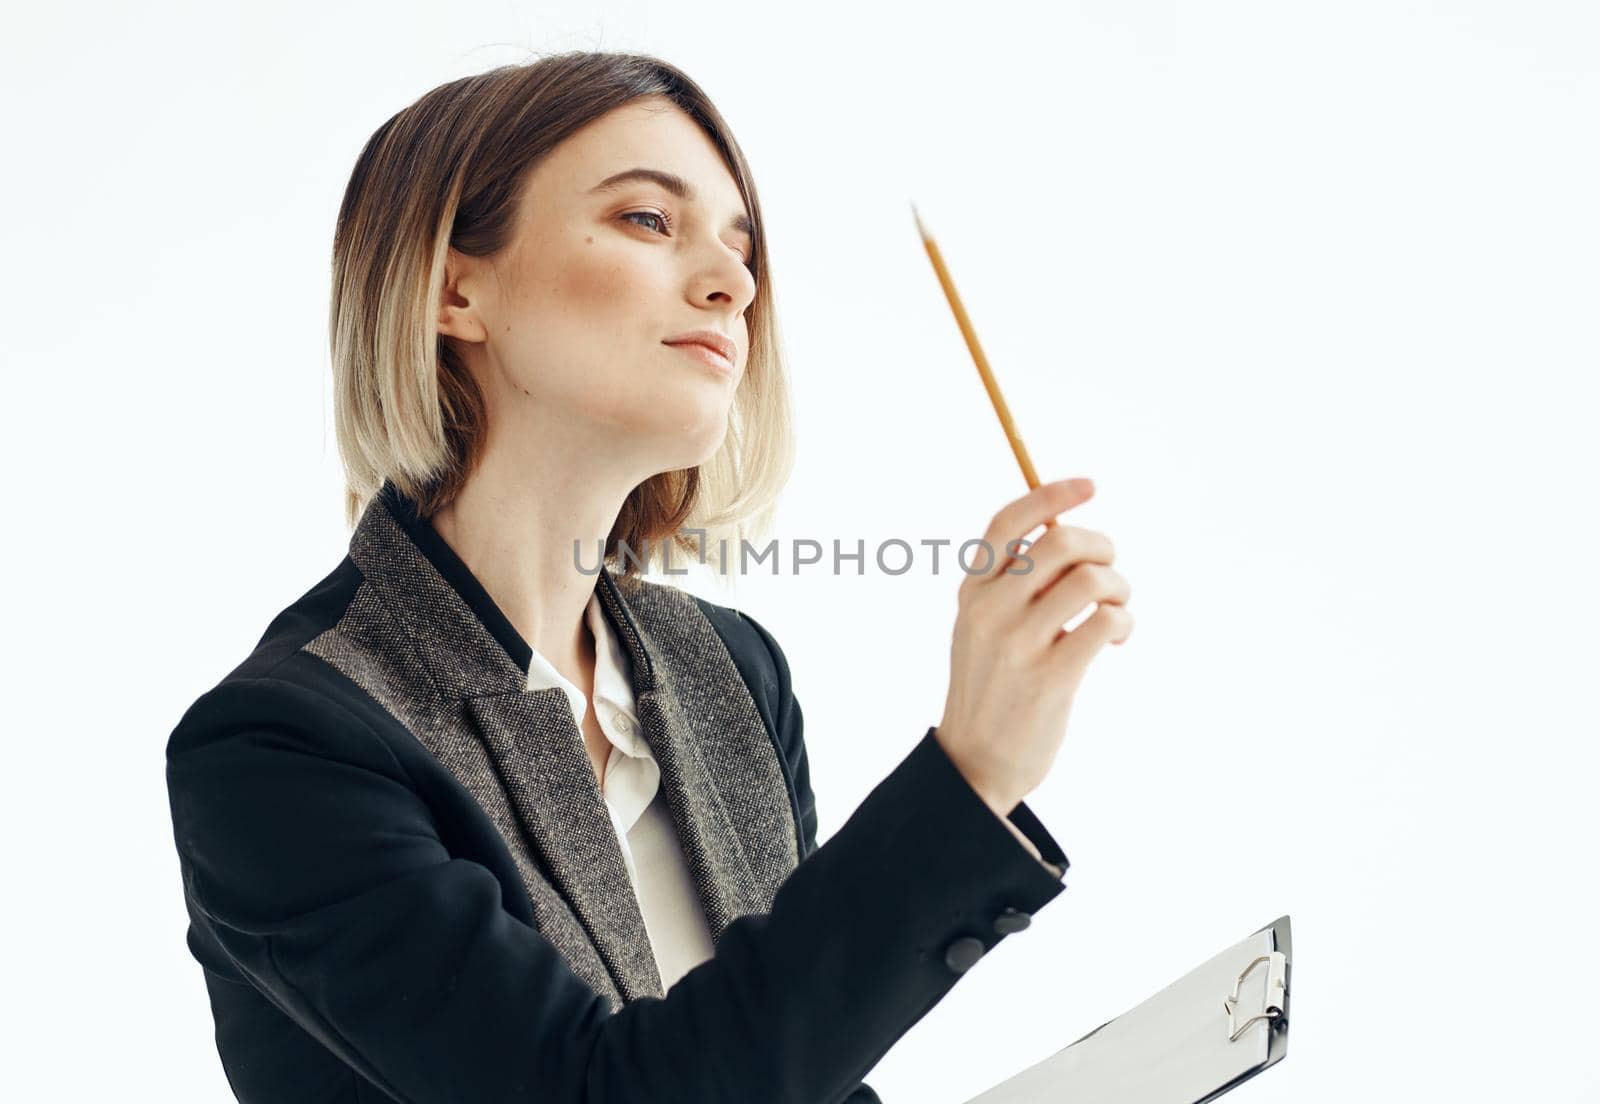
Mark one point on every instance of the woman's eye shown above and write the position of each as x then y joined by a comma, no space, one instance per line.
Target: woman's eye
666,224
666,228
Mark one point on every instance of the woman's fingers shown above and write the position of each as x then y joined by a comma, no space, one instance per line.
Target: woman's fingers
1072,593
1022,516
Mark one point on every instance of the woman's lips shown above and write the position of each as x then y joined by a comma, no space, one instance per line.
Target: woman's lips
707,356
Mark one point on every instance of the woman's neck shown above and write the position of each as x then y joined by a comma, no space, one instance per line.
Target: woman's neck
525,547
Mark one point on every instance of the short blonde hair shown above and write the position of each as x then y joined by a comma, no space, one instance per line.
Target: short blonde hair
446,172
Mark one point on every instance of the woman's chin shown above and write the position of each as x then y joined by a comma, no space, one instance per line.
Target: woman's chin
700,440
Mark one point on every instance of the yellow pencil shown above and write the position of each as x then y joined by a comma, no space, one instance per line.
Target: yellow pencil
995,397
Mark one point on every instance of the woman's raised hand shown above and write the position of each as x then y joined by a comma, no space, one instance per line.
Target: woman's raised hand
1013,669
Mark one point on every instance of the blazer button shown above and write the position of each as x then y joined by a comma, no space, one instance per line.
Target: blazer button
1011,921
961,954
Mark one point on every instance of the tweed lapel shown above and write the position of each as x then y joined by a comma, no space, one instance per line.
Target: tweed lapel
539,753
719,769
521,754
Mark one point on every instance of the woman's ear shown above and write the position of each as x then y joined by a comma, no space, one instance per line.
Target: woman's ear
458,302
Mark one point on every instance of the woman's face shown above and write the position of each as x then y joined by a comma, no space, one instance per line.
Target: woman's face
564,329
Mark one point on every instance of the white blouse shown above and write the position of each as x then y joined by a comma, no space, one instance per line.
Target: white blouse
673,916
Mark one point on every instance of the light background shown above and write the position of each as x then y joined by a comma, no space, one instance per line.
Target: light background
1309,290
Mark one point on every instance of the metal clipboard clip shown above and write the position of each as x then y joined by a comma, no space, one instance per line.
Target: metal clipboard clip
1273,1007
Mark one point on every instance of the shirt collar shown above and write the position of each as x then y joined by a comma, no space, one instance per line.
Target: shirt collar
613,684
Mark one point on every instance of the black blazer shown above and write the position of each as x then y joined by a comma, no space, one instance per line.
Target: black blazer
402,882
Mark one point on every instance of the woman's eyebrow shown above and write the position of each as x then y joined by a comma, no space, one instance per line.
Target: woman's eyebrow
675,184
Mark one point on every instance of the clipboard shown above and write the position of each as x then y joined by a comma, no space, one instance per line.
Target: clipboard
1213,1029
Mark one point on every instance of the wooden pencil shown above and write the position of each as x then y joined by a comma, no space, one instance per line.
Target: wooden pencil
1002,411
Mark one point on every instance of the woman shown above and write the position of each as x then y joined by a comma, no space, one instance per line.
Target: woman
405,878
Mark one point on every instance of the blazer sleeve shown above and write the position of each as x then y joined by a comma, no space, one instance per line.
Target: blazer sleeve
314,862
788,724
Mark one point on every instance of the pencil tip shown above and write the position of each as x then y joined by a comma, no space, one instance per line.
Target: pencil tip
921,229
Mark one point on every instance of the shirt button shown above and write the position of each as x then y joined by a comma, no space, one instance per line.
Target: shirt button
961,954
622,722
1011,921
